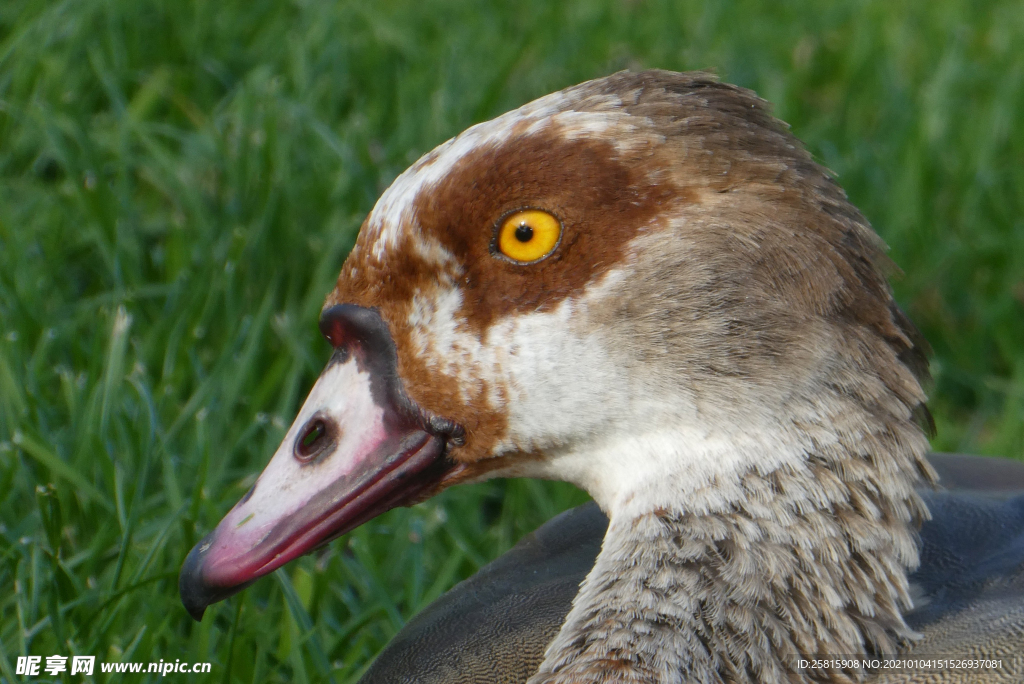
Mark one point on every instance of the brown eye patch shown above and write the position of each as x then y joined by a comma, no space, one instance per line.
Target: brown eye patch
602,199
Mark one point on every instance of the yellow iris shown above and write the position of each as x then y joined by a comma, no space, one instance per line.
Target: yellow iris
529,235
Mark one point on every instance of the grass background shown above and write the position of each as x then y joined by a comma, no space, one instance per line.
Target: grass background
180,182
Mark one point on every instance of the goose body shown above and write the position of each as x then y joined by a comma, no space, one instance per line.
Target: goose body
645,286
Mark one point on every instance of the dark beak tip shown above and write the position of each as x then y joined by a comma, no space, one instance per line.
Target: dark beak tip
196,612
196,594
191,586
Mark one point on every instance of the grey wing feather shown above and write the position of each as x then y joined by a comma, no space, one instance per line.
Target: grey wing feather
494,626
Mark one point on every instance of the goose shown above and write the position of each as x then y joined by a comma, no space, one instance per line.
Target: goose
644,285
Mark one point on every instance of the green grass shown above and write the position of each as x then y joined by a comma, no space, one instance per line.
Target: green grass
181,181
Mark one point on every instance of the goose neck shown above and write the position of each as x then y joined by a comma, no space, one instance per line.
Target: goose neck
801,563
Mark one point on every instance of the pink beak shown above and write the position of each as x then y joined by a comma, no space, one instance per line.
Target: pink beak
358,448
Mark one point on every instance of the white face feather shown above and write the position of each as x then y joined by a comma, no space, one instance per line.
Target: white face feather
524,360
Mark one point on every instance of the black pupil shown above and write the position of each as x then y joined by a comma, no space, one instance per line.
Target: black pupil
524,233
313,434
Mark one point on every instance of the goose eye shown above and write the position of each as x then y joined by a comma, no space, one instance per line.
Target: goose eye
529,235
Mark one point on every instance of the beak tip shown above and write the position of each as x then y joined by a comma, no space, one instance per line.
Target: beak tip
194,592
195,588
196,612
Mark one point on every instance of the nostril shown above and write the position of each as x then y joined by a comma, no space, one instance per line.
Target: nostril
313,434
313,440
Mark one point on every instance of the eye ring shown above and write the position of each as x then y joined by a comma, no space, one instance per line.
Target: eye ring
527,236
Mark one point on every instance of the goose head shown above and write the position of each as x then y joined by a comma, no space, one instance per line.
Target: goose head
643,285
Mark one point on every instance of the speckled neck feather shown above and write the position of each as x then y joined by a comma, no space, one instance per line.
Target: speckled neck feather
806,562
